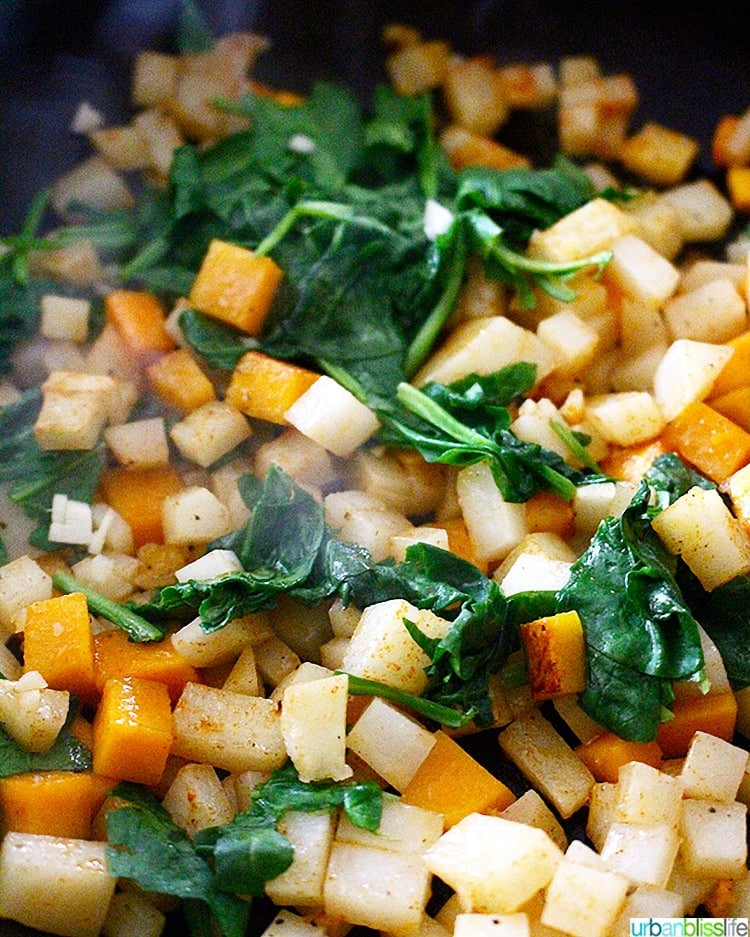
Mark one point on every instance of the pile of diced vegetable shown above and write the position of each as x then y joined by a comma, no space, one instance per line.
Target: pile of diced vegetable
349,434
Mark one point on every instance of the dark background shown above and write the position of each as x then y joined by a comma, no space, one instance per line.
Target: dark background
690,62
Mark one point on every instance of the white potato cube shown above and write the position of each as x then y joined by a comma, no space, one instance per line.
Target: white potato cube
75,408
644,854
434,536
647,902
210,432
287,923
494,525
403,828
704,214
625,418
601,815
54,884
686,373
313,723
408,485
10,666
714,841
494,865
93,183
592,503
636,371
275,660
714,312
573,341
391,743
333,417
110,574
583,901
64,317
303,459
531,809
228,730
701,272
713,769
211,565
658,223
534,571
203,648
548,762
640,272
482,346
382,649
139,444
194,515
22,581
196,799
244,676
311,836
700,527
642,327
31,712
373,529
593,227
383,890
647,796
130,912
533,424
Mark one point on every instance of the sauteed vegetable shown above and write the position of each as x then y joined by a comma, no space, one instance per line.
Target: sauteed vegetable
354,436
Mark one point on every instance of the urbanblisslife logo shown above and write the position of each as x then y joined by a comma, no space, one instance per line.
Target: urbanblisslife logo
689,927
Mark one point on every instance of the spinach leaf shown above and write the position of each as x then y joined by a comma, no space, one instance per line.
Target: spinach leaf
66,754
725,615
193,32
145,845
249,851
636,623
220,345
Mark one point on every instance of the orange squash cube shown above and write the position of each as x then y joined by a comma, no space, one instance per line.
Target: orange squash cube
139,320
179,381
738,184
115,655
235,286
137,495
48,803
605,754
736,372
546,511
715,713
555,655
736,405
712,442
58,642
133,730
451,782
265,388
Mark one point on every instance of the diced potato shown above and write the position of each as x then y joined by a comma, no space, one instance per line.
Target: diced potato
228,730
573,341
713,838
548,762
704,214
333,417
303,459
311,836
287,923
713,769
494,865
22,581
194,515
494,525
31,712
55,885
583,901
686,373
130,912
403,828
699,527
382,649
139,444
196,800
64,317
93,183
528,86
531,809
625,418
491,925
122,147
714,312
408,485
644,854
474,95
647,902
75,408
203,648
207,434
701,272
161,137
594,227
393,744
313,724
483,346
601,813
640,272
647,796
659,154
658,223
418,67
579,722
376,888
154,78
275,660
592,503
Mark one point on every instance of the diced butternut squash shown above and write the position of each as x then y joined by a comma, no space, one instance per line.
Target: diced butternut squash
133,730
465,148
137,495
139,320
738,184
58,643
629,463
449,781
606,753
235,286
51,803
555,655
712,442
736,372
723,131
659,154
736,405
265,388
178,379
460,543
546,511
115,655
715,713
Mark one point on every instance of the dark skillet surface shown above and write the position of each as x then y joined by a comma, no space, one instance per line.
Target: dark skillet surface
689,66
